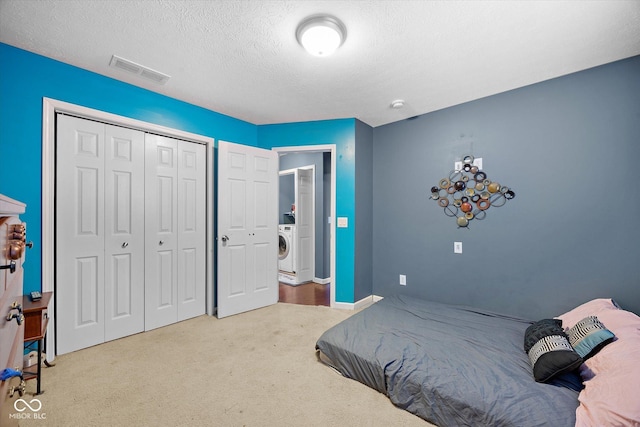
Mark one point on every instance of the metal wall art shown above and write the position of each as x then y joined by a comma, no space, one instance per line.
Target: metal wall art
468,193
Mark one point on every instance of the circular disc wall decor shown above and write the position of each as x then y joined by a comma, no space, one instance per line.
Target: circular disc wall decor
468,194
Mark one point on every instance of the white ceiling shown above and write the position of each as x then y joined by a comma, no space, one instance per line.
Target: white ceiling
241,58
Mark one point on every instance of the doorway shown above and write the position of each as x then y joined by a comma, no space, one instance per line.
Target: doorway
297,226
319,288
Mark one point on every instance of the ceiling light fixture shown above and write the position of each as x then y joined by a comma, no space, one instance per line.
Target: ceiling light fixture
321,35
397,104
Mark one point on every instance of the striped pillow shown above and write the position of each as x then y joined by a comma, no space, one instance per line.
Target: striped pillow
588,336
549,350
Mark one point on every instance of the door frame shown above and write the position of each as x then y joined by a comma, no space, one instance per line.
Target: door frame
323,148
49,109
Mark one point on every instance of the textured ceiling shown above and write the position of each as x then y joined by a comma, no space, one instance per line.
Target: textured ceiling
241,58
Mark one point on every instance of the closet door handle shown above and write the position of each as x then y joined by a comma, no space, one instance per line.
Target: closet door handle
125,244
161,242
224,238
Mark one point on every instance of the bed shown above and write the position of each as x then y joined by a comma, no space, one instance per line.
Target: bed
455,365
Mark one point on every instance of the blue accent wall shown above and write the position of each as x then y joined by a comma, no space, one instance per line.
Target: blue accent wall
569,148
340,132
26,78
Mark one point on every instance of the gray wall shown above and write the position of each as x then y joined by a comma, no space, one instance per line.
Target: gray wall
363,274
570,149
287,197
295,160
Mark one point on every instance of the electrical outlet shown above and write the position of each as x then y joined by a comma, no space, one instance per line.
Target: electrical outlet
403,280
457,247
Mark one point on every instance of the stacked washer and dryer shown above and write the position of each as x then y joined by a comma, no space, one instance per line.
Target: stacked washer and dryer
287,250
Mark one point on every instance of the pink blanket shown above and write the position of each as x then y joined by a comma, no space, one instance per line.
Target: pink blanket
611,377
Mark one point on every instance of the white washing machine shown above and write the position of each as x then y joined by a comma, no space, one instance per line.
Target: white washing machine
287,250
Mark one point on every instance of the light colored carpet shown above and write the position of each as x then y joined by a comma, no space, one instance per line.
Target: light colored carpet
254,369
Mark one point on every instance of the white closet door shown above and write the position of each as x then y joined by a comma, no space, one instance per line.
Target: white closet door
79,233
124,232
191,229
161,223
175,230
99,232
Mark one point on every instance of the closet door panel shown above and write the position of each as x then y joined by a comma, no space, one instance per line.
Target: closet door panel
79,233
161,222
124,232
191,230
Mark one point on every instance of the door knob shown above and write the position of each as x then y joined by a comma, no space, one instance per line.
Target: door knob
161,242
224,238
125,244
15,249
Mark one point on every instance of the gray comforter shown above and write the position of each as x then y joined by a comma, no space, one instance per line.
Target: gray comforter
451,365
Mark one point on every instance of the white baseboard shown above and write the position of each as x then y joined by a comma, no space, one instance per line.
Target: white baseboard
322,281
364,302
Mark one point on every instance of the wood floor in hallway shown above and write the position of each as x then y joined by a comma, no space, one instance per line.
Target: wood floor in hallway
307,294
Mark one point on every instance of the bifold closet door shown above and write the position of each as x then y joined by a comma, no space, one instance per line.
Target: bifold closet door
99,232
175,230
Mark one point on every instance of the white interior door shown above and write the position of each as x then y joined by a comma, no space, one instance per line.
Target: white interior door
99,233
192,229
161,204
79,233
175,227
305,220
247,239
124,232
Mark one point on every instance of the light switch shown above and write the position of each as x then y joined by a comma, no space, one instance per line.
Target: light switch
343,222
476,162
457,247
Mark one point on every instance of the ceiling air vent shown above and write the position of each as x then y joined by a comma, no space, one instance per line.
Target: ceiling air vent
142,71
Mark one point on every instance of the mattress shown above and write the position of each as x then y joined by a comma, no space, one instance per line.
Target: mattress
450,365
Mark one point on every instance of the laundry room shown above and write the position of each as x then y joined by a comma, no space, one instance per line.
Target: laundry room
304,212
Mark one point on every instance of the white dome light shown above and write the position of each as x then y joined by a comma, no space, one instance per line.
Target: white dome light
321,35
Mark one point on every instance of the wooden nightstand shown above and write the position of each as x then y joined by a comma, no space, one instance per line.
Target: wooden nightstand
36,319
